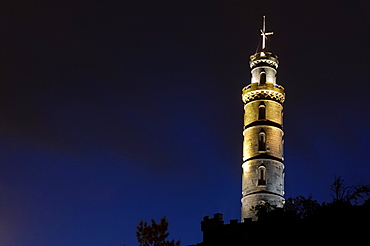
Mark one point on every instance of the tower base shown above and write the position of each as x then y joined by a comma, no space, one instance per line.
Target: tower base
249,202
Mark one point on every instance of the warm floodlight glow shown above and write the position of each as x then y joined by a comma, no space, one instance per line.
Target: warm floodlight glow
263,168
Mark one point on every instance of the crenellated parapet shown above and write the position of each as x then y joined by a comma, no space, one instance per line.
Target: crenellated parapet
263,59
267,91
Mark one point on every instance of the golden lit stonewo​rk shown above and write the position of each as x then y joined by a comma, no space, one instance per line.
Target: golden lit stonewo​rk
263,168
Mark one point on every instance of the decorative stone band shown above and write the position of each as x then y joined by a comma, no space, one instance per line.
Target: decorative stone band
254,64
264,192
268,91
263,58
263,94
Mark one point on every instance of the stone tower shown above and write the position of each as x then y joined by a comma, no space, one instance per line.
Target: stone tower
263,168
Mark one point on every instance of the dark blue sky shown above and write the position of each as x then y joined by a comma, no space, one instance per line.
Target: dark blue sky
114,112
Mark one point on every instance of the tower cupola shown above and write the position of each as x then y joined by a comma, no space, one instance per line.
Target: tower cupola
263,67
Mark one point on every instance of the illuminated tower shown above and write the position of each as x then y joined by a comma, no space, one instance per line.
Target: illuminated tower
263,168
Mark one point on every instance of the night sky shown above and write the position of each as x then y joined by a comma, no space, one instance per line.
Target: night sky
116,111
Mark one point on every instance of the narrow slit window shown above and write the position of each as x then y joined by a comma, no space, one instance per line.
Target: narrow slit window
262,111
262,141
262,175
262,78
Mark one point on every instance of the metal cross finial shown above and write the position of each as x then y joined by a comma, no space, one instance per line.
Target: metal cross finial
264,34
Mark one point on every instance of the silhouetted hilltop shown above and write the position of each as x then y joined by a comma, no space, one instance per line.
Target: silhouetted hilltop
302,220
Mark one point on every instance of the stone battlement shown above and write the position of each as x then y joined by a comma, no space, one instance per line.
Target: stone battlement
270,91
216,232
263,58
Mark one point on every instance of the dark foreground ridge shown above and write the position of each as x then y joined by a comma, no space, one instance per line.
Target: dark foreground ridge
332,223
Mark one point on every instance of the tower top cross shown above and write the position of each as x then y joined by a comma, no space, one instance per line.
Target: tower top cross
264,34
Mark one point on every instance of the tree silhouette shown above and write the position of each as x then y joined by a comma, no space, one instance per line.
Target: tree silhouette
344,205
347,194
301,206
154,234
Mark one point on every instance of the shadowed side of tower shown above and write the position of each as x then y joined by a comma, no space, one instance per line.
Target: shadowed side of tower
263,168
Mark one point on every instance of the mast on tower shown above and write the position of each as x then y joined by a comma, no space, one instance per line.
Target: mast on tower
264,34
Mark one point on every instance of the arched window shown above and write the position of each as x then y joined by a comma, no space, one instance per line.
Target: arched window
262,111
261,175
262,78
261,141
